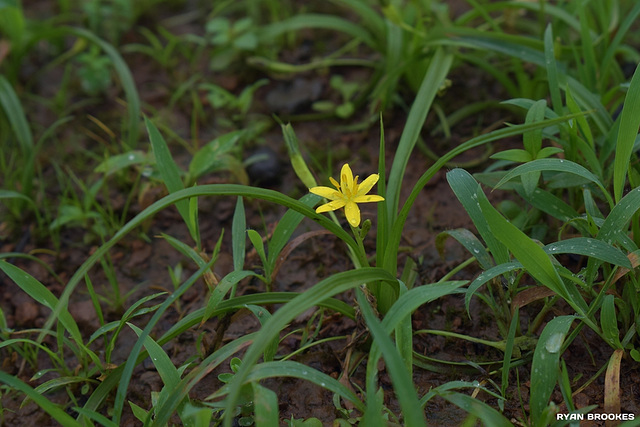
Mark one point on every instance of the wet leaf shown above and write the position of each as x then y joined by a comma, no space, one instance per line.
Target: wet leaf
544,368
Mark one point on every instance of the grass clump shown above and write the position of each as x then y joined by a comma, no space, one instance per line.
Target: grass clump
551,267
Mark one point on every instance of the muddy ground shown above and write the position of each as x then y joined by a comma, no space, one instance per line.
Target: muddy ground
141,260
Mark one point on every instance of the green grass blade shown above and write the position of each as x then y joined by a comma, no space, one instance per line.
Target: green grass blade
204,190
14,112
237,303
297,161
531,51
50,408
118,162
400,377
169,171
435,75
590,66
263,317
137,347
126,80
627,133
287,368
414,298
404,335
42,295
239,235
95,416
614,45
544,368
161,360
391,248
609,322
370,16
179,393
552,71
477,408
508,351
284,230
8,194
308,21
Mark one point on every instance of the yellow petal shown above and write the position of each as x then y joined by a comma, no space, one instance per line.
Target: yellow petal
346,180
370,198
352,211
334,183
367,184
326,192
331,206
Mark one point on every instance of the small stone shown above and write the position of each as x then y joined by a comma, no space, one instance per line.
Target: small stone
264,167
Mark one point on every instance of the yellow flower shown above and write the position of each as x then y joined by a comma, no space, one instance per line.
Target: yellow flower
347,194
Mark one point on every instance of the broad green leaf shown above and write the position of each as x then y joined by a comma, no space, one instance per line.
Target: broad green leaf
257,243
555,165
468,192
593,248
470,242
549,203
544,368
549,151
485,276
627,133
535,261
517,155
265,406
617,222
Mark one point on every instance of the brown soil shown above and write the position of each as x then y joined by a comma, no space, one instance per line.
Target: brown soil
141,260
